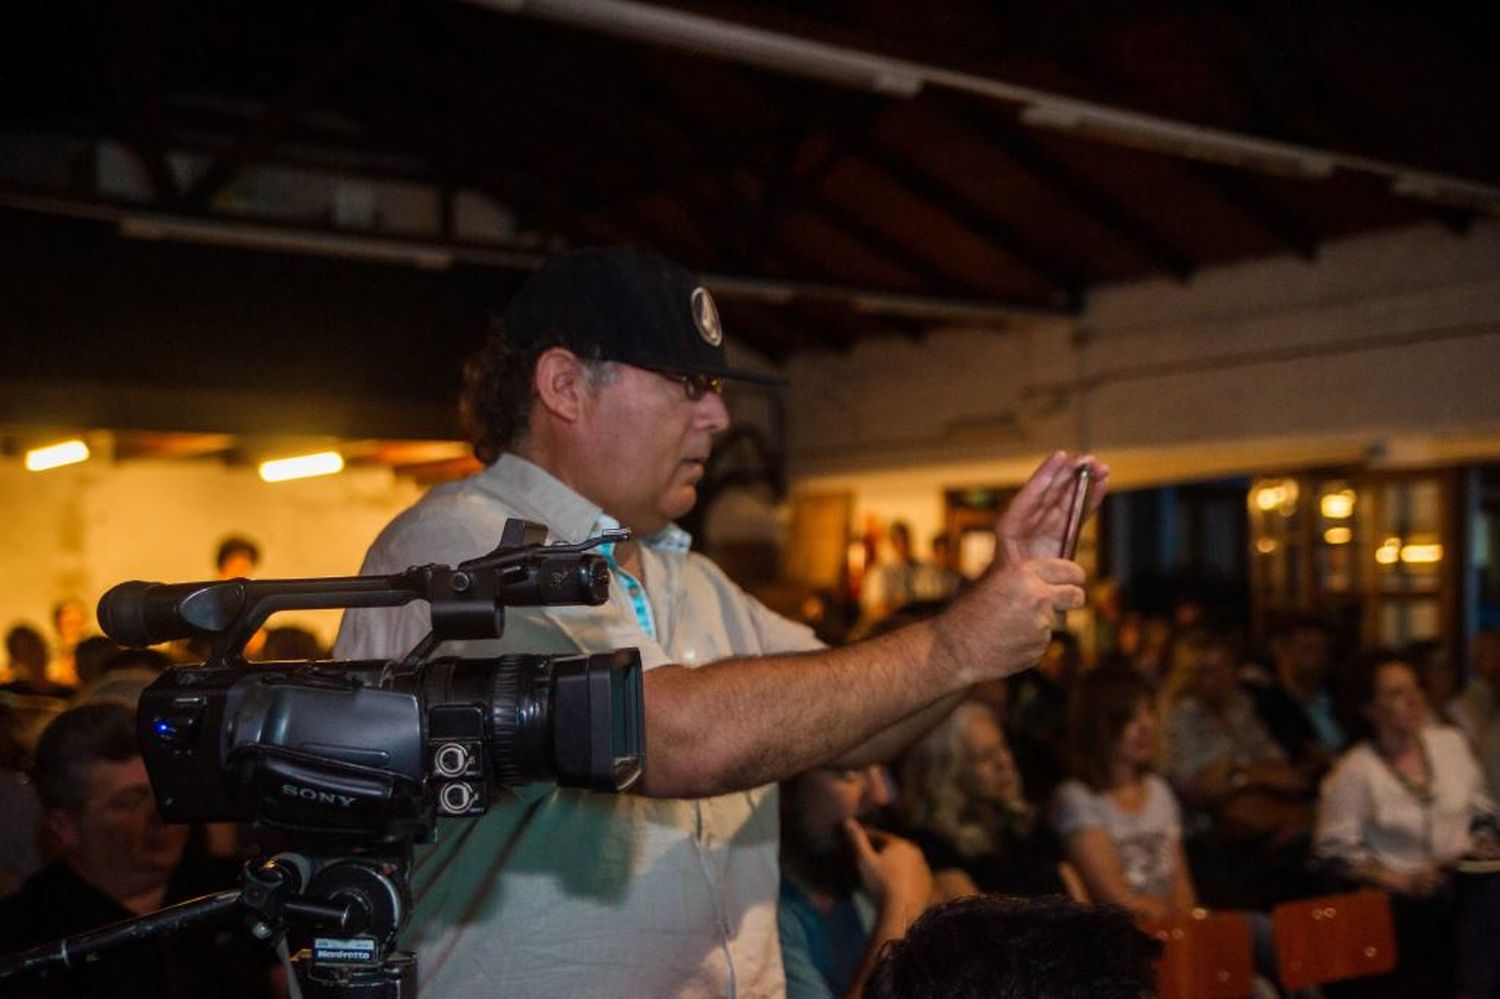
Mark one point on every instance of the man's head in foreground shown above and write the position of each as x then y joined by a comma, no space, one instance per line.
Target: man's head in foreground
99,805
997,947
607,371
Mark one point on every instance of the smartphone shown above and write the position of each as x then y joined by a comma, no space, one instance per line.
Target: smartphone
1083,482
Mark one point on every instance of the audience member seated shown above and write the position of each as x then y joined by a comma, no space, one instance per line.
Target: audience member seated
1297,709
1037,724
1476,706
894,582
846,889
1219,757
1118,822
70,620
1476,711
118,860
1249,811
291,644
20,814
1438,676
1398,813
992,947
961,802
90,656
30,698
123,676
26,651
1143,643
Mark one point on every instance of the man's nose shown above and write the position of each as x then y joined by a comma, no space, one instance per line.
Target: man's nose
877,788
713,415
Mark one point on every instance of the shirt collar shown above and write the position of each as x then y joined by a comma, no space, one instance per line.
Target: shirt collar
538,495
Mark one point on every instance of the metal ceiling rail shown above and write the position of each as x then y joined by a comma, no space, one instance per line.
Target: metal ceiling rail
140,221
900,78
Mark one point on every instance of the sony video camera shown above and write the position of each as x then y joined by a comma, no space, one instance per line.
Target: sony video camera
375,751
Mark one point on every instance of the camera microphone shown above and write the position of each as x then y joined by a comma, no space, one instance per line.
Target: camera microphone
139,613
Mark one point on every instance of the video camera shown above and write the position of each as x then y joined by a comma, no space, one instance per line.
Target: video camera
376,750
350,763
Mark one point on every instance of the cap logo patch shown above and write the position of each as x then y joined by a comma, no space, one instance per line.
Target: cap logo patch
706,317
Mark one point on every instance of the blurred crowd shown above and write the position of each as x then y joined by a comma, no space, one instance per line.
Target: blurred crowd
1177,765
1162,766
81,842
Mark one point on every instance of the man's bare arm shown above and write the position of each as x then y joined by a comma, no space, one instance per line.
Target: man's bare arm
741,723
886,745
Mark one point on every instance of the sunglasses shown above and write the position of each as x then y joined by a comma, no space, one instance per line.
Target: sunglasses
694,385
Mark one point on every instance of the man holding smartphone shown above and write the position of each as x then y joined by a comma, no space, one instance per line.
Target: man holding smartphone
595,405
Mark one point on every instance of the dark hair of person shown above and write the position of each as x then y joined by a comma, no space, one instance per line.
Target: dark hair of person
1283,629
1359,686
26,647
236,545
73,740
291,644
1100,707
91,656
998,947
150,659
497,394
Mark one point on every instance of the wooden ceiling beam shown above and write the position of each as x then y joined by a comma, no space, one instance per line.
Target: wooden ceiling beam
1250,200
1083,195
1067,284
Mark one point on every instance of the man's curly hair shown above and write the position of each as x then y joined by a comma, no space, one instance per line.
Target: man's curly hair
498,389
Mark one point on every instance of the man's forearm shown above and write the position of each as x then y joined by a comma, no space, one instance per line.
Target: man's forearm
741,723
892,741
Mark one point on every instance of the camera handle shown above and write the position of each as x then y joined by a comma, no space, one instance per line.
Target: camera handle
358,903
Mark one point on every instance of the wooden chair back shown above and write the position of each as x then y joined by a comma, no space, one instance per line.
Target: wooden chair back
1334,937
1207,955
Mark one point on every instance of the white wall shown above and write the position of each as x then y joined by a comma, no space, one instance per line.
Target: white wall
1386,349
77,531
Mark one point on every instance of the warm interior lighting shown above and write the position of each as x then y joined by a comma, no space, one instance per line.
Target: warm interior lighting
1421,553
1277,496
56,455
1269,498
303,466
1265,546
1389,552
1338,535
1339,505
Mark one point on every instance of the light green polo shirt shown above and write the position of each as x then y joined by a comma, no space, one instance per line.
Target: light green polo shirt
557,892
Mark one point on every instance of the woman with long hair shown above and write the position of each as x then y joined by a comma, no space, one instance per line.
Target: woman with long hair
1119,822
961,800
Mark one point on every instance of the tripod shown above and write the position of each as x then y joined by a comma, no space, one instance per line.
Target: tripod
339,915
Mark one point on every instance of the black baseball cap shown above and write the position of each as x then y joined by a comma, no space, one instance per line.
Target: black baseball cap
618,303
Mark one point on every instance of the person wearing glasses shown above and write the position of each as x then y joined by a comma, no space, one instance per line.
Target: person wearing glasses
594,404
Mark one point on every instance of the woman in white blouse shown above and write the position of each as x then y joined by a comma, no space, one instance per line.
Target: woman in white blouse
1397,813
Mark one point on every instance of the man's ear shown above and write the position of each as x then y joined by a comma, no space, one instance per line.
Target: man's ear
561,388
61,827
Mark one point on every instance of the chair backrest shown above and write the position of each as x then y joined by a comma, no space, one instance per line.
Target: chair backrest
1334,937
1206,955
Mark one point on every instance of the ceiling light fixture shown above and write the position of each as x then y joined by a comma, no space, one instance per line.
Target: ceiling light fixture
56,455
302,466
